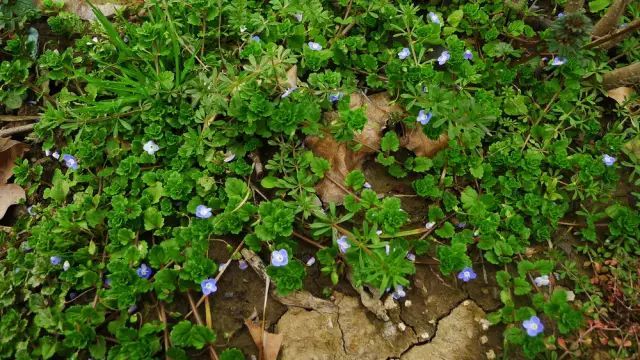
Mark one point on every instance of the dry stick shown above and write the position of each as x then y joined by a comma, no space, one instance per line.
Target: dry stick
609,20
16,130
212,352
616,35
162,315
10,118
628,75
264,317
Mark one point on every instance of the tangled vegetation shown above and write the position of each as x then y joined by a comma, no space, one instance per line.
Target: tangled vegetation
177,123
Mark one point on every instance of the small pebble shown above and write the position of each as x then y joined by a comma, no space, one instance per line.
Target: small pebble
490,355
407,303
402,326
485,324
484,339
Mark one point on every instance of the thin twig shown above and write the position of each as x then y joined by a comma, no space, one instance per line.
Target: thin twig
634,25
16,130
10,118
212,351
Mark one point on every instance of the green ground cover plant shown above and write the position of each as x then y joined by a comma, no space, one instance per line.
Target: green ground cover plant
154,119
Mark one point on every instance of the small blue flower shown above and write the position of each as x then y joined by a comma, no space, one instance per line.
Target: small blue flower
288,92
279,258
335,97
343,244
560,15
144,271
255,38
461,225
467,274
404,53
542,280
55,260
70,161
468,55
107,283
73,295
311,261
399,293
209,286
444,57
424,117
150,147
367,185
608,160
314,46
133,308
558,60
243,265
533,326
298,16
433,18
203,212
411,257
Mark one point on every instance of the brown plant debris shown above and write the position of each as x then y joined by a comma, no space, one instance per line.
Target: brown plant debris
415,140
10,150
10,194
342,158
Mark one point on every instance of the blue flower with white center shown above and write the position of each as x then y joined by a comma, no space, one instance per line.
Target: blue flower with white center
558,60
311,261
608,160
399,292
411,257
55,155
467,274
150,147
288,92
424,117
144,271
434,18
533,326
203,212
542,280
343,244
335,97
243,265
404,53
560,15
314,46
444,57
468,55
55,260
367,185
209,286
255,38
70,161
279,258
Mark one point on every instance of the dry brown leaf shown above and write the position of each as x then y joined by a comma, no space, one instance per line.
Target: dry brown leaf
415,140
10,150
271,343
10,194
342,159
83,10
621,94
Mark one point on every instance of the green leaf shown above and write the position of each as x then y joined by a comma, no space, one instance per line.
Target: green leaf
521,286
232,354
598,5
269,182
455,18
446,231
153,219
390,142
185,334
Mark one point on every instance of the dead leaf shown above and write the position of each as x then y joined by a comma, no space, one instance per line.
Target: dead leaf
292,77
83,10
342,159
10,150
271,343
415,140
621,94
10,194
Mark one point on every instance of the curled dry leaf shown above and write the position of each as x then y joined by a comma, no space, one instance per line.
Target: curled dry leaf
342,159
10,150
621,94
415,140
10,194
268,343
